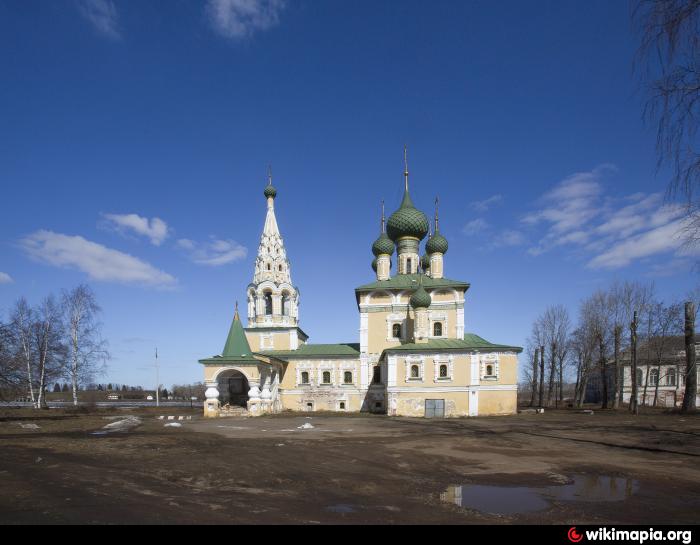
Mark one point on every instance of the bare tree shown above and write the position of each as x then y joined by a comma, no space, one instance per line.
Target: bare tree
666,323
21,328
87,352
668,61
691,373
624,298
48,345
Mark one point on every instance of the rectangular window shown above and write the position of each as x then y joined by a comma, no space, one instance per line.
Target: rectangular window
347,377
326,377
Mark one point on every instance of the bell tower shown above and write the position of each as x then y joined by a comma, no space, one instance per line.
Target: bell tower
273,301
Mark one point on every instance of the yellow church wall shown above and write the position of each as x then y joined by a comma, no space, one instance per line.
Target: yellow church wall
316,366
413,404
324,401
497,402
461,371
377,332
442,296
507,372
280,340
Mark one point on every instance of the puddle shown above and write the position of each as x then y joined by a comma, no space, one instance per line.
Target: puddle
341,508
513,500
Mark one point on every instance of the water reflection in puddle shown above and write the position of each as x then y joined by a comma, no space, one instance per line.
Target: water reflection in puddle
341,508
512,500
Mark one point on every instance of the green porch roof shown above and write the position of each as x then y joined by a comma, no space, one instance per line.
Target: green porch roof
315,351
471,342
236,348
410,281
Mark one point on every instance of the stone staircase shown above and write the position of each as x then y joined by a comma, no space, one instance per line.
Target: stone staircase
233,410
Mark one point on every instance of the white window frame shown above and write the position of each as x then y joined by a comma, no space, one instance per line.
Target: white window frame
409,362
490,359
442,360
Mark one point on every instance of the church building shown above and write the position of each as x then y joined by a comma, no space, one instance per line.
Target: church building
413,357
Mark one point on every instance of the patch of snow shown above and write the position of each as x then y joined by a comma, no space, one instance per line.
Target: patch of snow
306,426
30,426
173,425
123,425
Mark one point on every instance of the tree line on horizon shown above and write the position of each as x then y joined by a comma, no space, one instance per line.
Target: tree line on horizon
610,322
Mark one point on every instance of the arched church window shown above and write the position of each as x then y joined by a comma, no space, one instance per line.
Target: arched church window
304,377
326,377
489,370
280,268
268,303
415,371
443,371
671,377
269,267
437,329
409,270
396,331
347,377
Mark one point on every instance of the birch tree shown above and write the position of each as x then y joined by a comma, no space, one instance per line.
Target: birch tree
21,328
87,352
48,345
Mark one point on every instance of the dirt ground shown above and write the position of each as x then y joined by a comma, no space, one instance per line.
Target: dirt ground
345,469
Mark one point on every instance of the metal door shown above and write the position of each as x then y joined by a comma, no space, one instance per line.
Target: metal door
434,408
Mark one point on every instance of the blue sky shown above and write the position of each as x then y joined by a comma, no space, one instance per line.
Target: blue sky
128,126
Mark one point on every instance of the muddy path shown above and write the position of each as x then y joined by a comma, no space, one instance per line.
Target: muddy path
351,470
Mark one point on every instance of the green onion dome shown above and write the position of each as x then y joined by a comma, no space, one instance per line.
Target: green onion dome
425,262
270,191
407,221
374,264
436,243
383,245
420,298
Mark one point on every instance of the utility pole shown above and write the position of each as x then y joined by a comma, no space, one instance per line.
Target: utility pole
157,381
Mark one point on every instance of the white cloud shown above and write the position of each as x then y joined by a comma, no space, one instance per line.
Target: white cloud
102,14
576,214
483,206
155,229
654,241
241,18
507,237
5,278
213,253
475,226
97,261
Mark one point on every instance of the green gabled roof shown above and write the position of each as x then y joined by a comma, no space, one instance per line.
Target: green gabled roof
469,342
316,350
236,348
410,281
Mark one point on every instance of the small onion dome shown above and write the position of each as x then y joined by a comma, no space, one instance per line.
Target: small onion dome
407,221
270,191
383,245
374,264
425,262
420,298
436,243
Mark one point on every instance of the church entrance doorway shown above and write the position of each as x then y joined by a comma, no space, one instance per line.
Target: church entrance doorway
233,389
